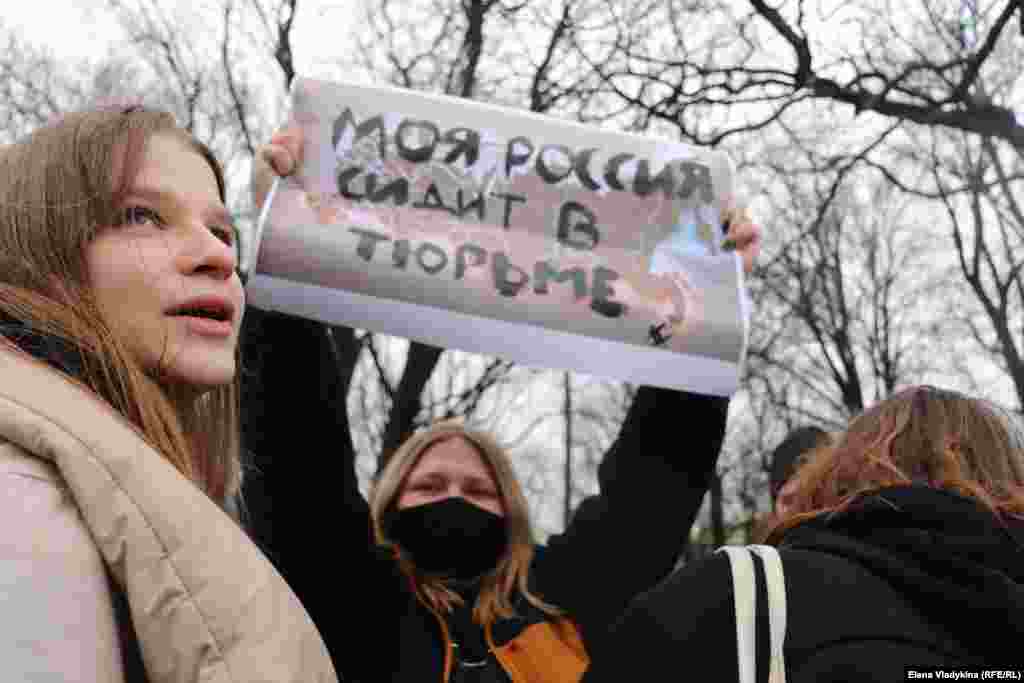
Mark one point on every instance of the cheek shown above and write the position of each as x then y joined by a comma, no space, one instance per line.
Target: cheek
124,270
124,279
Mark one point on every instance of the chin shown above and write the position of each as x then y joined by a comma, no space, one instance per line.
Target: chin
203,373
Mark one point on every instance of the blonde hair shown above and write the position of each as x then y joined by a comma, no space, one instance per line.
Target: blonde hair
511,574
922,435
58,186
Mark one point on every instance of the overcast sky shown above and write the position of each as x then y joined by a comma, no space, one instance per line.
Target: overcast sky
68,27
87,28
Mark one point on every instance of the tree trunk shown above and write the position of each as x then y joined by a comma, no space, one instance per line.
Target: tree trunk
419,366
717,511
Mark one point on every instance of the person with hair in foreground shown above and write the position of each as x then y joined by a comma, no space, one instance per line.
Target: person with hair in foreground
901,548
121,558
438,577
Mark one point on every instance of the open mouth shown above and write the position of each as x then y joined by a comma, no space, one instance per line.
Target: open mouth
206,311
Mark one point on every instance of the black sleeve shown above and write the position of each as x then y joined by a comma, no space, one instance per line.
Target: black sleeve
683,628
301,494
627,538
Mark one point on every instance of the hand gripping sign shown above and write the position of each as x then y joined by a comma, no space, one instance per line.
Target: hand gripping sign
486,229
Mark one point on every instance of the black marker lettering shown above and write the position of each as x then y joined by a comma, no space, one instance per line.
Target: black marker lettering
513,158
479,258
644,185
542,272
502,267
400,254
428,248
368,242
417,154
463,208
509,199
575,218
432,200
345,177
396,189
602,293
611,170
466,143
546,172
362,130
582,166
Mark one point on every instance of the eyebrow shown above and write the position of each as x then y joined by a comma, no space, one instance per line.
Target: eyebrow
216,213
472,479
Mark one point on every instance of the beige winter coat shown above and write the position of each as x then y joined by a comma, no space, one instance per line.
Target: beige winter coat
81,495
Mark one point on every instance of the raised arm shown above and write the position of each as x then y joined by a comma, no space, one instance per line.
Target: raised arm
295,421
627,538
301,496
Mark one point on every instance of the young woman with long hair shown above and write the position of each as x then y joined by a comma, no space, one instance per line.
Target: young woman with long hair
121,558
901,548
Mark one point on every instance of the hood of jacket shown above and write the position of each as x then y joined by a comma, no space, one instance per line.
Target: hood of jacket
205,603
949,555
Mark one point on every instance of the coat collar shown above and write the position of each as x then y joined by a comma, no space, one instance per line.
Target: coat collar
204,601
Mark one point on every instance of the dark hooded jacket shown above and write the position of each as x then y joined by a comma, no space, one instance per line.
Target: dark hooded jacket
305,506
908,577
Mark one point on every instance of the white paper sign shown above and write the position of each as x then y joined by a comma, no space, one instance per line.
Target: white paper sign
491,230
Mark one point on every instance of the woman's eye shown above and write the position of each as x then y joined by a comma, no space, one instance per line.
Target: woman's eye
140,215
224,234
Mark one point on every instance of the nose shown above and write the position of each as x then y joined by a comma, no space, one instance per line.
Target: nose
208,254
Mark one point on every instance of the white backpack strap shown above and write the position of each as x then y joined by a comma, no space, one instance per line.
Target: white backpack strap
745,599
776,583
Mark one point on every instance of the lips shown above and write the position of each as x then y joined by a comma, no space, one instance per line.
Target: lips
206,308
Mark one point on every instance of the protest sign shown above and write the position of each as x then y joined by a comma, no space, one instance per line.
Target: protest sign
486,229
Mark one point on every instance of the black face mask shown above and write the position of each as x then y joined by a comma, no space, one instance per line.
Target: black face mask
451,536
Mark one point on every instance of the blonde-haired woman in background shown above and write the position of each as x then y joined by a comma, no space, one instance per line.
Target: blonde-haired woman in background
466,467
449,508
120,306
449,584
901,548
438,577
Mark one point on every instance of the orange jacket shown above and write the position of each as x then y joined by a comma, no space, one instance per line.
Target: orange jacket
544,652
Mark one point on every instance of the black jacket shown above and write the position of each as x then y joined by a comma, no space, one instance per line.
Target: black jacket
910,577
305,508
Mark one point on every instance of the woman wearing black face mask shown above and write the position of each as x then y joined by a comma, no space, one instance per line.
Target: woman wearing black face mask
438,579
451,514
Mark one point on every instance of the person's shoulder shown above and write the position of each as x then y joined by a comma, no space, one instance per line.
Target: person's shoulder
43,409
686,618
53,583
689,605
704,581
41,521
